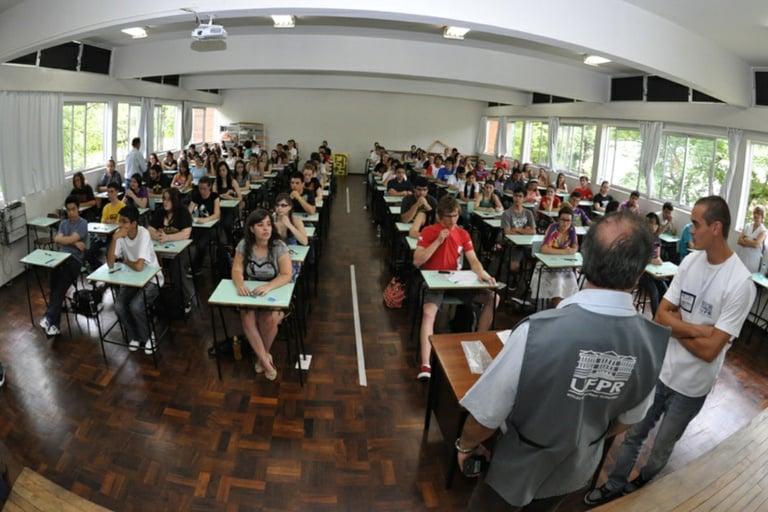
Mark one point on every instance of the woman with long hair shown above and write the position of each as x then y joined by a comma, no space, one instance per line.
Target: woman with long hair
226,186
261,256
183,179
137,193
82,190
241,176
289,227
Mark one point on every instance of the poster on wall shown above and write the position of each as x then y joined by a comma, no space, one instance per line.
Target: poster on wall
340,161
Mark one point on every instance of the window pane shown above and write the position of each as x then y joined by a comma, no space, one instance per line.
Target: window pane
758,190
78,137
722,162
697,169
576,148
515,140
539,143
94,137
622,160
167,133
210,125
668,171
491,131
198,125
67,128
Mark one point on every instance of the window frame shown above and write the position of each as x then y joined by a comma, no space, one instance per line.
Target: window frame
158,106
105,132
595,149
603,155
131,104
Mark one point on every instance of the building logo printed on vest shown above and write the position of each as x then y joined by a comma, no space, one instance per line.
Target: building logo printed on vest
600,374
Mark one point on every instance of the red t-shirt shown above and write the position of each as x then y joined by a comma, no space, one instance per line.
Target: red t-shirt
450,254
586,193
501,164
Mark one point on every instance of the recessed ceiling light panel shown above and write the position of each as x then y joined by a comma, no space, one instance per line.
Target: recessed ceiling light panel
595,60
135,32
455,32
283,20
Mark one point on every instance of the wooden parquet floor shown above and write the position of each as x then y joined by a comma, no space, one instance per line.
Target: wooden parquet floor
132,438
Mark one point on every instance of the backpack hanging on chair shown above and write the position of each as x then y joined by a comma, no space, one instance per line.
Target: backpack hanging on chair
394,294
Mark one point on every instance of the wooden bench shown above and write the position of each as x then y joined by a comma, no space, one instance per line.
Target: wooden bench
732,476
34,493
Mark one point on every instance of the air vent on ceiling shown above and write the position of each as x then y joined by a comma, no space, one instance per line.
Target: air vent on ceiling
95,59
661,89
629,88
63,56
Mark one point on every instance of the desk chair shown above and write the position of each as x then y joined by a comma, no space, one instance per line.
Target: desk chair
47,242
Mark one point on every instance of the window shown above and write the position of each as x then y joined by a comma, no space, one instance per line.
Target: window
576,148
689,167
621,163
167,130
203,125
84,126
491,132
515,139
758,187
539,143
128,119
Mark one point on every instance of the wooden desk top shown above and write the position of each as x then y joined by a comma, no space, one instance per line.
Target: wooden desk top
449,353
729,477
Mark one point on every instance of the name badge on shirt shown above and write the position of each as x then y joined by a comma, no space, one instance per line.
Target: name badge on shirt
686,301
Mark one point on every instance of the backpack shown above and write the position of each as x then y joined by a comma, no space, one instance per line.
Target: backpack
87,302
394,294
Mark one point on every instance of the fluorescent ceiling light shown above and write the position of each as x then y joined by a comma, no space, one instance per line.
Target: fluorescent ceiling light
135,32
284,20
594,60
455,32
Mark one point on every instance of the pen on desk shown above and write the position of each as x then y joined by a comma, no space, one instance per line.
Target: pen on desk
49,261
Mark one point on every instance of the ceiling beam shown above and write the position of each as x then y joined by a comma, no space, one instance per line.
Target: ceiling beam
354,83
616,29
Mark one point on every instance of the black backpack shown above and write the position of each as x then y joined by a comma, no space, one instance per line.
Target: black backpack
87,302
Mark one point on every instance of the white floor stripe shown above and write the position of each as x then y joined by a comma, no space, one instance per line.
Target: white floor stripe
348,211
358,333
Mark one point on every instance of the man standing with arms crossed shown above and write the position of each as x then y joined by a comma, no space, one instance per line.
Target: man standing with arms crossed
705,307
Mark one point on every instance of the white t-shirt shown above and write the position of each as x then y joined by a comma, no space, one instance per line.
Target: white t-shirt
751,256
293,153
138,248
718,295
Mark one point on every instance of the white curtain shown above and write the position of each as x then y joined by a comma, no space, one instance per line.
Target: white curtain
650,140
735,137
186,124
501,137
554,127
146,131
32,143
480,145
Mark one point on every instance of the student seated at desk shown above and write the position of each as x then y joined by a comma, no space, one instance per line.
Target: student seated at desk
561,187
560,238
514,183
137,193
303,201
457,180
443,246
488,199
71,237
435,165
157,181
110,176
241,176
543,178
225,185
418,208
399,186
289,228
204,205
82,190
448,169
198,170
580,216
517,220
632,204
312,185
612,206
532,194
183,179
665,217
252,168
171,223
132,244
481,172
169,163
655,288
751,242
109,215
261,256
583,188
602,198
471,188
550,202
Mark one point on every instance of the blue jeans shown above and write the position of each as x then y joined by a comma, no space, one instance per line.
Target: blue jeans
678,411
131,311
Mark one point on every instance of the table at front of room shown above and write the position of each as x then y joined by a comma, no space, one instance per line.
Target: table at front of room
40,258
122,275
554,262
449,366
440,281
225,296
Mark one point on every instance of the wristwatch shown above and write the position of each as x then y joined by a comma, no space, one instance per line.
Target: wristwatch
459,449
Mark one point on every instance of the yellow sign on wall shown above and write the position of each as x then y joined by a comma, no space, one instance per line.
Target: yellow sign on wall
340,161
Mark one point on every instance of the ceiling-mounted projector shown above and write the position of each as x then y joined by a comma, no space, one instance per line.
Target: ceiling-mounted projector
209,32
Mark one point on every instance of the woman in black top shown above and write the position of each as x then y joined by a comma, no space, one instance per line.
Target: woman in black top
82,190
169,163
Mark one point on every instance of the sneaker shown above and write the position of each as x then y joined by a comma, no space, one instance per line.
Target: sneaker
149,347
44,324
425,373
134,345
257,367
601,495
187,308
634,485
52,330
2,375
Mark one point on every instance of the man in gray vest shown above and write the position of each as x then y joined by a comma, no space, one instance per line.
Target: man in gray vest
566,379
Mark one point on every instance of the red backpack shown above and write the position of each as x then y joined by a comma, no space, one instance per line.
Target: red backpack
394,294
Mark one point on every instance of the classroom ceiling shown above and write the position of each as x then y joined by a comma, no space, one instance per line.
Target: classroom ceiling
513,44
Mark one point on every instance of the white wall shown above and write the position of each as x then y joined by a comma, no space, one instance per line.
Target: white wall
351,121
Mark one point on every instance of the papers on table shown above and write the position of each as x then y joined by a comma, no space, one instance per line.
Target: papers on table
462,276
504,335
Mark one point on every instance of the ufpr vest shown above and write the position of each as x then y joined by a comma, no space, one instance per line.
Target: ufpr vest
580,371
